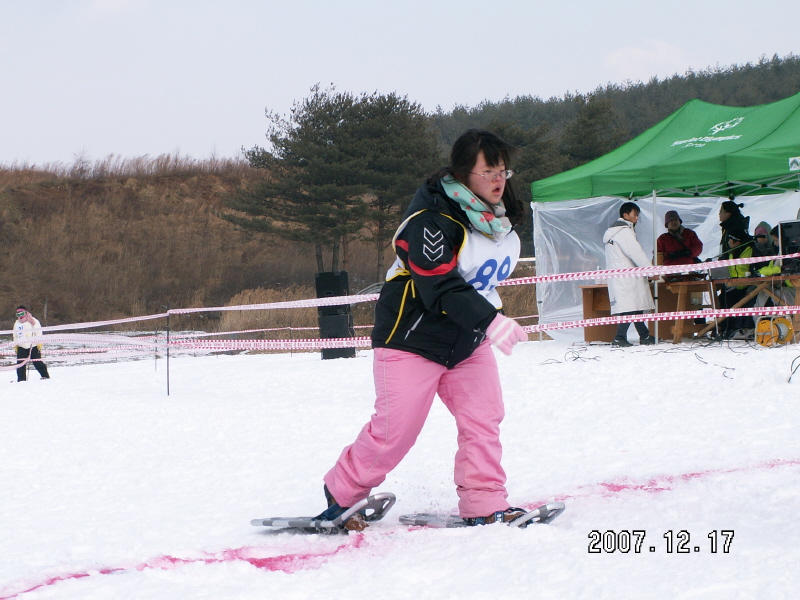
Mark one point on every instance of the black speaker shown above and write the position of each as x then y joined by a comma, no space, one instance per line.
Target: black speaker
789,238
336,326
329,285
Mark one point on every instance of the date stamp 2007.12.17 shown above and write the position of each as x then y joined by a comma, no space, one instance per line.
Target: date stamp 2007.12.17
670,542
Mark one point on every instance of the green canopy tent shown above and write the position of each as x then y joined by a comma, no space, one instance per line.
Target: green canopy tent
702,148
689,162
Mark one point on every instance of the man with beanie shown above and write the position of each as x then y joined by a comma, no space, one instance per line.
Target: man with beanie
679,246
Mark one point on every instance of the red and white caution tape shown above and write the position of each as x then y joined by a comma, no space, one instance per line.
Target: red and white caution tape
643,271
364,342
670,316
150,343
315,344
19,364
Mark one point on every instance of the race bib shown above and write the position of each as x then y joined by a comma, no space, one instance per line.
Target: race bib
484,263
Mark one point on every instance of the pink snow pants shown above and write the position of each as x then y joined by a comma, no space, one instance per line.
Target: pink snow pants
405,385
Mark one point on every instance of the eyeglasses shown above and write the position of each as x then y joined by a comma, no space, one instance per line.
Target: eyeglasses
493,175
22,313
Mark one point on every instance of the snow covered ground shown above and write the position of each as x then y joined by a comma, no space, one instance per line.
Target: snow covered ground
111,489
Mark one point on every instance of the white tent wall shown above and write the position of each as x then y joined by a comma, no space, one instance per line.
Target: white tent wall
568,237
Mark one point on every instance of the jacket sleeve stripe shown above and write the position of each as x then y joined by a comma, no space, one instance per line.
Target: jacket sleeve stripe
440,270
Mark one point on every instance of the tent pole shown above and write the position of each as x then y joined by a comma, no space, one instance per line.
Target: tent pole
655,256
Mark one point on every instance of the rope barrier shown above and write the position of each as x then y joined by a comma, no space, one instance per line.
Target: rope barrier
365,342
669,316
643,271
341,300
139,345
314,344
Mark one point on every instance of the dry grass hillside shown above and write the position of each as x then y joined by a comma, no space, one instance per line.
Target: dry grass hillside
122,238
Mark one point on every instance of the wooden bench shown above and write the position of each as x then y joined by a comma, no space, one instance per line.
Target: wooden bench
675,296
761,284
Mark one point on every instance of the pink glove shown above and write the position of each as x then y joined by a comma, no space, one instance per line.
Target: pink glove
505,333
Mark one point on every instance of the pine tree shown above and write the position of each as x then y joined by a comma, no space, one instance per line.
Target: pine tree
313,195
342,167
399,148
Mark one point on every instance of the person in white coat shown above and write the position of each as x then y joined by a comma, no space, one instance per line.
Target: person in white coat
26,329
628,295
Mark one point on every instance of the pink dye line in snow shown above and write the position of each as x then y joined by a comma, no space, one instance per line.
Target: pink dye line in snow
287,563
291,563
663,483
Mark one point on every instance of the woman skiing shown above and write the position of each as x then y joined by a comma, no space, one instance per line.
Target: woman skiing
437,315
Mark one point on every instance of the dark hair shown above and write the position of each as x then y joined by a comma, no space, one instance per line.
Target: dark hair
464,155
23,307
775,231
731,207
628,207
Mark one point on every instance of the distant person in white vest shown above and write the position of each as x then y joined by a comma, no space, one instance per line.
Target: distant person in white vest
26,330
628,295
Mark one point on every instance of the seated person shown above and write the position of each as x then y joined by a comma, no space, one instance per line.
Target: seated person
763,242
679,246
766,244
741,246
762,246
775,235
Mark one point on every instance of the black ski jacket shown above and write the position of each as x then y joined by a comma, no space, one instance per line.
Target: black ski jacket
732,223
428,308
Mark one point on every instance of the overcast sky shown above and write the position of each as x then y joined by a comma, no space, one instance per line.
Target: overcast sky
146,77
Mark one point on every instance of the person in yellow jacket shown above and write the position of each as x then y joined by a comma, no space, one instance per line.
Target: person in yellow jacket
26,330
741,246
766,244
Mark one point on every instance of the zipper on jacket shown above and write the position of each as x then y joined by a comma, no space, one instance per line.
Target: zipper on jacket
414,326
